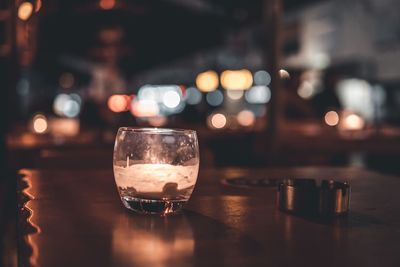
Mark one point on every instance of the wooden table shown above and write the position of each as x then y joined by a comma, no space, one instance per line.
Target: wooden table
75,218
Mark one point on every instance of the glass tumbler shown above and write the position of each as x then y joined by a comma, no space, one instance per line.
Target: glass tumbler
155,169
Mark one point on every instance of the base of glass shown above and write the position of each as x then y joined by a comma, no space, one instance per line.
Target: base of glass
153,206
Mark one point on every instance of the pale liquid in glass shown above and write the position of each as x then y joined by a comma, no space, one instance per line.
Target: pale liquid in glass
155,188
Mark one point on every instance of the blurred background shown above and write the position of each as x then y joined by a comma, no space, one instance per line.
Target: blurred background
264,82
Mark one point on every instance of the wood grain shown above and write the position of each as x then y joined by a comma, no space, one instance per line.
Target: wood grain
75,218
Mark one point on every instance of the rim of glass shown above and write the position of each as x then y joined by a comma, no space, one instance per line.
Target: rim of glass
149,130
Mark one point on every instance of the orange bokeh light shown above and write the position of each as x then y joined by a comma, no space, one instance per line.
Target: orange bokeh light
284,74
218,121
246,118
353,122
236,79
144,108
40,124
118,103
38,5
25,10
331,118
107,4
207,81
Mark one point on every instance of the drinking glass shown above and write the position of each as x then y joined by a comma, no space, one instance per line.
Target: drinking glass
155,169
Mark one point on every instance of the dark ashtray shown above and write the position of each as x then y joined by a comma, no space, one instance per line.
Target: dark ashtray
307,197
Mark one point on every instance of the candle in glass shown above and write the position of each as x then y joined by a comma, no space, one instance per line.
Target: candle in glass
155,169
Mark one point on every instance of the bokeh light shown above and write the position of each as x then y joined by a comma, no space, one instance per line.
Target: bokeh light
306,90
171,99
76,97
25,10
107,4
207,81
67,80
168,98
332,118
284,74
193,96
236,79
258,94
148,92
38,5
215,98
118,103
217,121
71,108
358,95
262,77
59,103
234,94
39,124
246,118
67,105
144,108
352,121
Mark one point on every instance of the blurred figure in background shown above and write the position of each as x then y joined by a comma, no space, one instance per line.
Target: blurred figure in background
327,98
106,76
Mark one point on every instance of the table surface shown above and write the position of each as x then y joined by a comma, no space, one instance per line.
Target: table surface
75,218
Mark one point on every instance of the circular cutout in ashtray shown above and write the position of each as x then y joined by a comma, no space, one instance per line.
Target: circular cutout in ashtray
249,182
